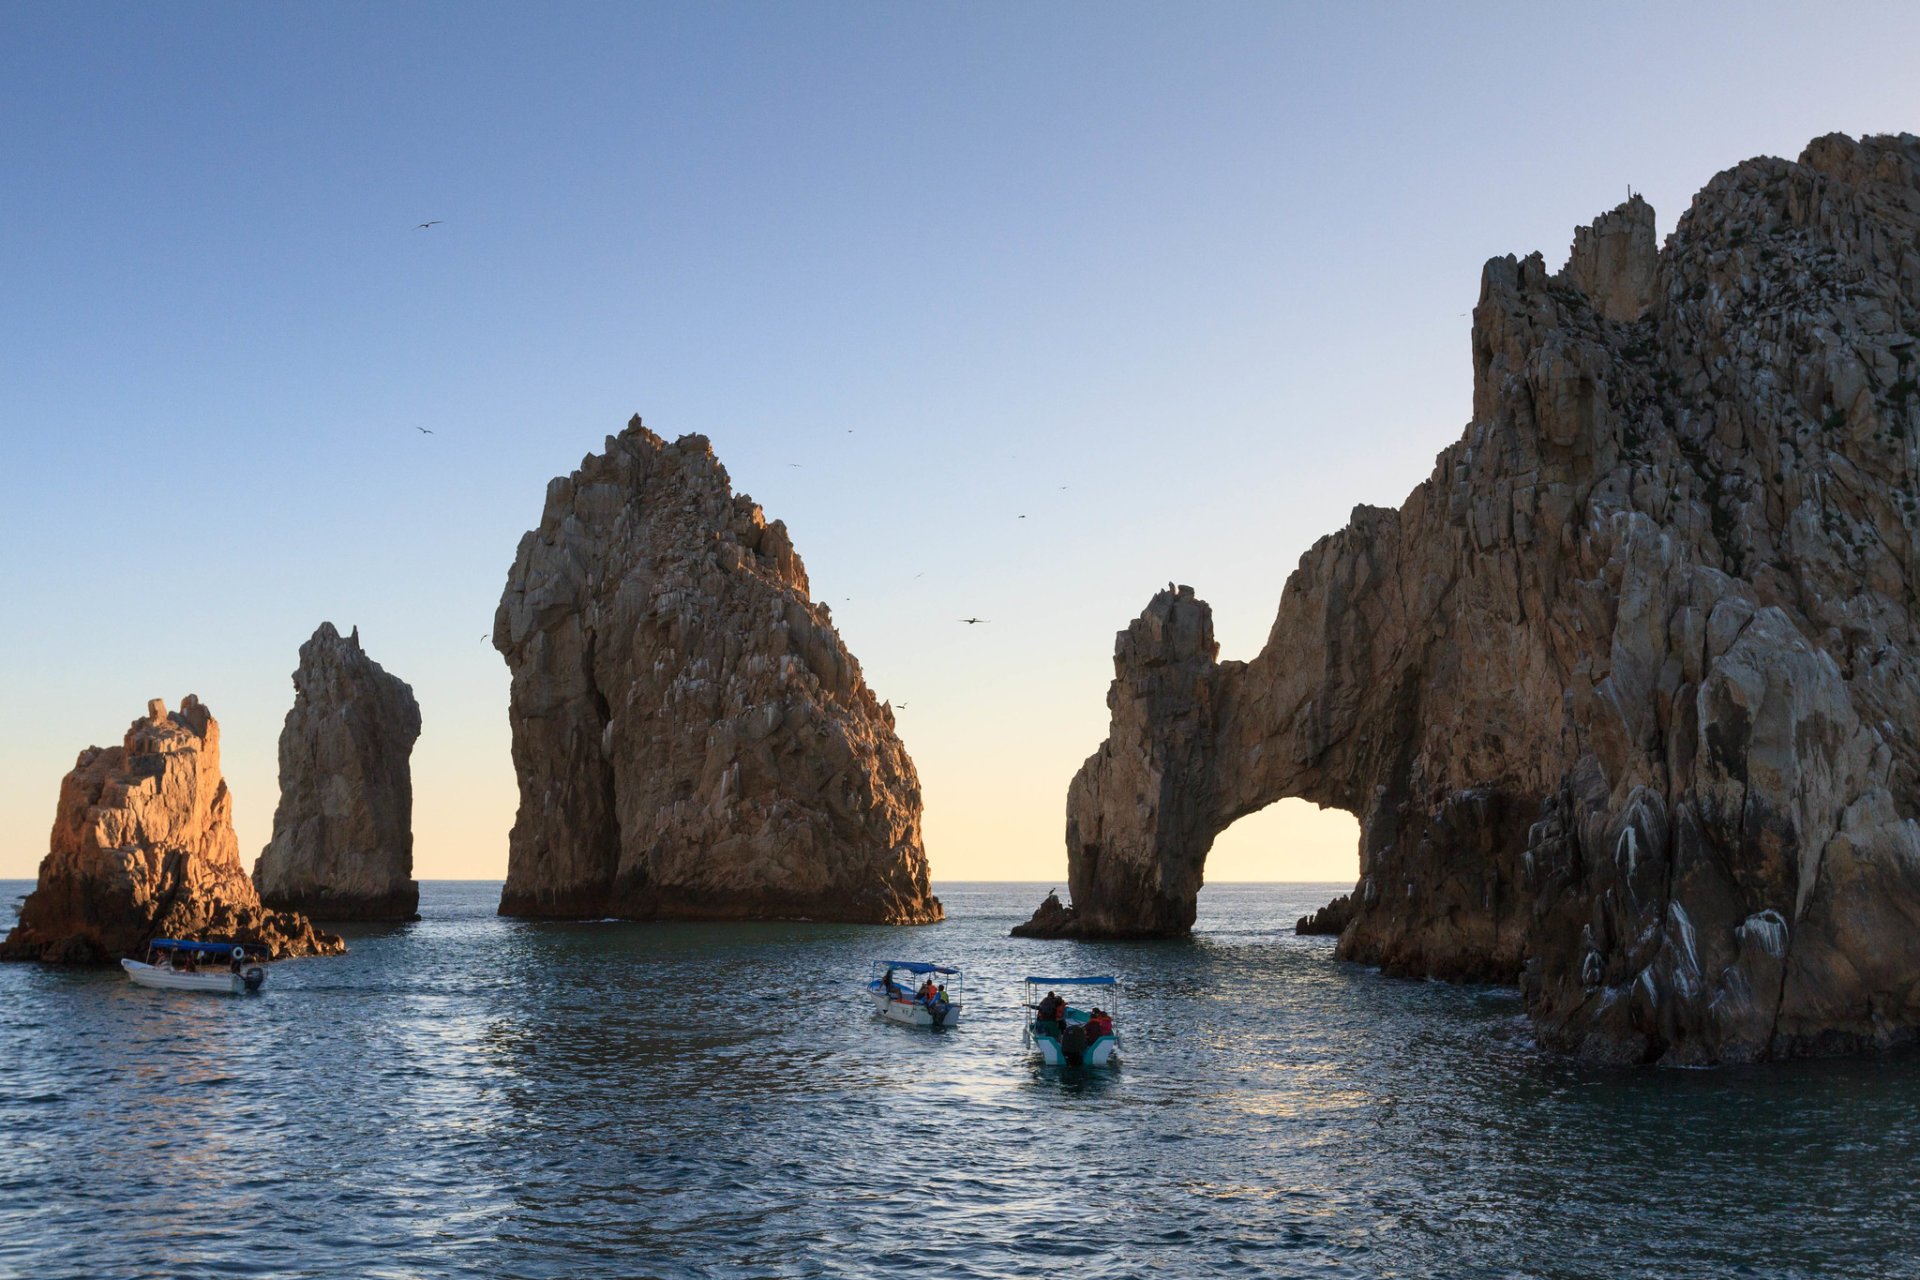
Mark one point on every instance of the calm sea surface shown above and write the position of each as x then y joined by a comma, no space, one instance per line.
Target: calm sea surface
468,1096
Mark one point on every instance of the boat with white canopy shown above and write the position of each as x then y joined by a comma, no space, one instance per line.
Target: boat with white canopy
1067,1034
915,992
176,964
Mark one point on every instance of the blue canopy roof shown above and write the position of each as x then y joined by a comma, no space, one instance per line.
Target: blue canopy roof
1073,982
916,966
211,948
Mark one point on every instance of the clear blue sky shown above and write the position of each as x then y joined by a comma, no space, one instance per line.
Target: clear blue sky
1204,265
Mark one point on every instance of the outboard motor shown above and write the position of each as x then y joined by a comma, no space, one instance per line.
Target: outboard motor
1073,1043
253,975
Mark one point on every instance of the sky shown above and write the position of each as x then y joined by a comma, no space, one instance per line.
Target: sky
1180,284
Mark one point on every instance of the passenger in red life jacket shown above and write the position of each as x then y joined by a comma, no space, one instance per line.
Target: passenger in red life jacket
926,991
1049,1010
1099,1023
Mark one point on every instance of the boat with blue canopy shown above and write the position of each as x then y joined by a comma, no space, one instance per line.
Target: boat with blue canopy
915,992
185,964
1064,1033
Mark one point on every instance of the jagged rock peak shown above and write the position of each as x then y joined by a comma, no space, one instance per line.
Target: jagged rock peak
690,735
1624,695
143,847
342,845
1613,260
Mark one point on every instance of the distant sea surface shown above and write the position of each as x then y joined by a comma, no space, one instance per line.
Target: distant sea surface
471,1096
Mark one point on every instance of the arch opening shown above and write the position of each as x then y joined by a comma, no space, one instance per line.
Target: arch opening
1290,841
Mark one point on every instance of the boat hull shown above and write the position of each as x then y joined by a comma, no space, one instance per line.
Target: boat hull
1104,1052
217,982
910,1012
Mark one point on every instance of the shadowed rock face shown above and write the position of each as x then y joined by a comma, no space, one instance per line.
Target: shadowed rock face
342,844
1625,695
691,738
143,847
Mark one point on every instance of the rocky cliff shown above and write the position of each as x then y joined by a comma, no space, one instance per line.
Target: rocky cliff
691,738
1627,694
342,844
143,847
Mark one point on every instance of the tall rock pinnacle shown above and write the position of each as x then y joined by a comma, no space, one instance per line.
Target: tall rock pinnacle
692,739
1626,695
342,844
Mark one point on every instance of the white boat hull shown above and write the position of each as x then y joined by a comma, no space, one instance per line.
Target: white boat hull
911,1012
219,981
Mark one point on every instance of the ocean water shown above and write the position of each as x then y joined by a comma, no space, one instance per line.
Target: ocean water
469,1096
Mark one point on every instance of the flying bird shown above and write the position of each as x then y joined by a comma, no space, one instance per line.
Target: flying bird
793,464
1019,517
899,706
423,226
423,431
971,621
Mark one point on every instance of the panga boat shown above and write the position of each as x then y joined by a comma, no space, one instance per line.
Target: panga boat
174,964
919,998
1070,1034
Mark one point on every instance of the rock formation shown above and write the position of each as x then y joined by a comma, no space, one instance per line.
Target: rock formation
342,844
691,738
143,847
1330,919
1627,694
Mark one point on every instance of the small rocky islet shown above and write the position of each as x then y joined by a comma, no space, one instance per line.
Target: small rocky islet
1626,696
342,845
143,846
1623,695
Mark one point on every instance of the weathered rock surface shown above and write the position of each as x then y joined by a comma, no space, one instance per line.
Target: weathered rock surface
143,847
1627,694
1330,919
691,738
342,844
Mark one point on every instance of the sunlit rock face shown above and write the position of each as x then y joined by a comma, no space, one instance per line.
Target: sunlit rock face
143,847
692,739
1625,695
342,844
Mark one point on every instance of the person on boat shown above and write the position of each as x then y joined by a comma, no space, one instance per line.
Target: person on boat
888,985
193,962
1099,1023
926,991
1048,1013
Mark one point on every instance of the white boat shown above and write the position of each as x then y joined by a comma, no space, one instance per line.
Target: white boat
176,965
922,1000
1072,1038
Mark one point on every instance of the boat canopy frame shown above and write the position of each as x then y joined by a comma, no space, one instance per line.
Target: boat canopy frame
1103,981
914,966
201,948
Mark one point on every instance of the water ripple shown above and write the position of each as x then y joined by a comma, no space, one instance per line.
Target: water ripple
467,1096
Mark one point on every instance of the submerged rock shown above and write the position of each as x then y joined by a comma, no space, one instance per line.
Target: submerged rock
342,844
691,738
1627,694
143,847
